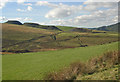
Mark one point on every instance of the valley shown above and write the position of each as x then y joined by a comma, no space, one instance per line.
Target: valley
33,52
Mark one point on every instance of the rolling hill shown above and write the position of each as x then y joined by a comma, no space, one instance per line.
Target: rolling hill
13,22
113,28
23,38
33,50
12,33
42,26
65,28
35,25
73,29
80,30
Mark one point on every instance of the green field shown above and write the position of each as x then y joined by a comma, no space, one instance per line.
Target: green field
65,28
35,66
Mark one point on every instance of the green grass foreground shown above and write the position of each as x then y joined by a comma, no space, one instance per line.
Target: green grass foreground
35,66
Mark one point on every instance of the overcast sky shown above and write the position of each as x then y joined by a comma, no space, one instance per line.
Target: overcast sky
80,14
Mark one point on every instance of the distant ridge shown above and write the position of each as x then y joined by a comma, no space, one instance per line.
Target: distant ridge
81,30
31,24
42,26
113,27
13,22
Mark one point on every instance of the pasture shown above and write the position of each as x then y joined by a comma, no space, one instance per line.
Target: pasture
35,66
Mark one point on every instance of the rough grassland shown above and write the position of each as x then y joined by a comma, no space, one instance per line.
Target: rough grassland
16,33
34,66
109,74
21,38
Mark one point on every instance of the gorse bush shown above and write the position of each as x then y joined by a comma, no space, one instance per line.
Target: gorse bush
107,60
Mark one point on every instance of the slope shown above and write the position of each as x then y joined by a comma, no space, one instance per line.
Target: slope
21,38
113,28
34,66
12,33
65,28
47,27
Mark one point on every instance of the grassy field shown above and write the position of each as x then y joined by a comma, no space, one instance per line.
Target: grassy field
35,66
65,28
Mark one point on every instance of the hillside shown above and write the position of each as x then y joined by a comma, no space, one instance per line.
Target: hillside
13,22
21,38
113,28
73,29
80,30
35,25
32,25
65,28
42,26
12,33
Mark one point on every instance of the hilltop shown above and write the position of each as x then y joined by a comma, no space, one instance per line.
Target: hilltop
48,27
35,25
112,28
13,22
